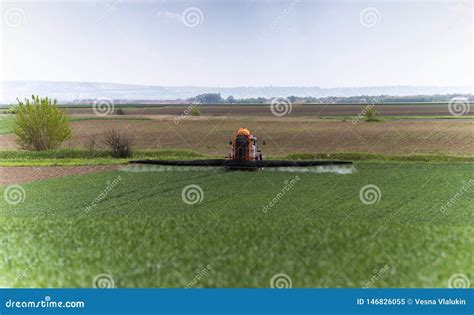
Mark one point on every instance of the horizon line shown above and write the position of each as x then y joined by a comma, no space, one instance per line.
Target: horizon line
244,86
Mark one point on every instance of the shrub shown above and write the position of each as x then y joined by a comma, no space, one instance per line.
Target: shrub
371,114
91,145
40,124
119,111
11,110
119,143
195,111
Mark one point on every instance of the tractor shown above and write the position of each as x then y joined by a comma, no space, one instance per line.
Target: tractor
244,156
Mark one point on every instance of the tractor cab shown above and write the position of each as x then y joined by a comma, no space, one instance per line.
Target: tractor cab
244,147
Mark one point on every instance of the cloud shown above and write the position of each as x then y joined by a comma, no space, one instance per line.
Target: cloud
169,15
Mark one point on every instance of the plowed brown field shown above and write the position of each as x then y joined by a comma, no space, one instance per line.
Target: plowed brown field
297,110
283,135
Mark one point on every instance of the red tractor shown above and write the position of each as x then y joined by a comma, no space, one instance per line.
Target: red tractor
243,156
245,147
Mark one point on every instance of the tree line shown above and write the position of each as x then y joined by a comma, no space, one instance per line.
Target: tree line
216,98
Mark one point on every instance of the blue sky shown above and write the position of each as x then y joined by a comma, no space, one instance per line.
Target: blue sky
240,43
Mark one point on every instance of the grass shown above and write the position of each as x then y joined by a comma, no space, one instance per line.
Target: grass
360,156
84,157
319,232
428,117
70,157
6,124
374,119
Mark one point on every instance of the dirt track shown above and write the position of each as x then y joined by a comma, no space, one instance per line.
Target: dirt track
17,175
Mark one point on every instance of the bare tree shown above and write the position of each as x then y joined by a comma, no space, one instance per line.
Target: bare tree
118,142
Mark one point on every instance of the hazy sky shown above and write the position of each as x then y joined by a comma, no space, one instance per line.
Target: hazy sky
239,43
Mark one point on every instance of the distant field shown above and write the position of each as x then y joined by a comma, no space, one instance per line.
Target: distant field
6,125
312,110
319,233
210,135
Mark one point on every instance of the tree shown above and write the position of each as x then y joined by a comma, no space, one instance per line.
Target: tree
40,124
292,99
208,98
230,99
